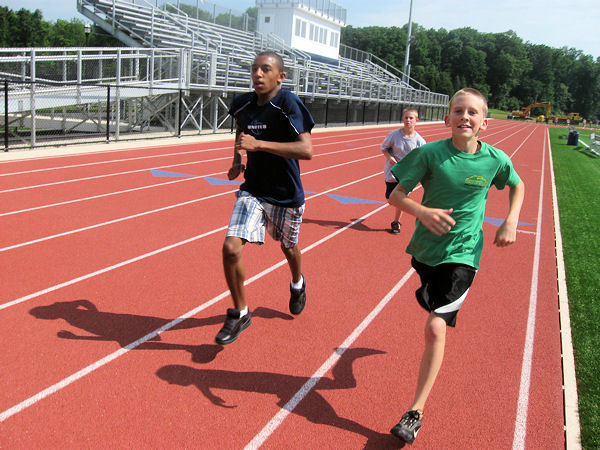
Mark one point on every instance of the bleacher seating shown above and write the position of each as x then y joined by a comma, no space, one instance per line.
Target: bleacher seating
233,51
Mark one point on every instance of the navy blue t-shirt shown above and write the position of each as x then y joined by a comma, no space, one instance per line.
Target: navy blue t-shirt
272,178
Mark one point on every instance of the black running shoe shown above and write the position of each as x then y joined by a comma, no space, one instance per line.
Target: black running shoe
298,298
395,227
234,325
408,427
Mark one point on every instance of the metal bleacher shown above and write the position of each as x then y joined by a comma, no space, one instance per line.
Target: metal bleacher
232,50
177,66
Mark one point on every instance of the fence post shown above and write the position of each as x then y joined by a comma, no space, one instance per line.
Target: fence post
5,115
108,113
179,114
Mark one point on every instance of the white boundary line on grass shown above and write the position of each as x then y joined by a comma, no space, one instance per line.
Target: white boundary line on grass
572,425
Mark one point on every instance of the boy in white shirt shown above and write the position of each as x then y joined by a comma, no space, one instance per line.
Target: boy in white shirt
396,145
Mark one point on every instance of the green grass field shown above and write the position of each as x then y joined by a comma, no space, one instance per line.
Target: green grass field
577,172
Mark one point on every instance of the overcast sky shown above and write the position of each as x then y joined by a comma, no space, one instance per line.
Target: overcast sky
574,24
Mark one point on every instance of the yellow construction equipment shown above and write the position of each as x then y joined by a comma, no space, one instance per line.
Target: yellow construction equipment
525,112
573,117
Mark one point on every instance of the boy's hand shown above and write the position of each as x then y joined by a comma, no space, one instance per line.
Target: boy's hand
438,221
235,171
246,142
505,235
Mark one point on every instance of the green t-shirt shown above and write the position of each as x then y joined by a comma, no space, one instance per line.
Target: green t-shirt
453,179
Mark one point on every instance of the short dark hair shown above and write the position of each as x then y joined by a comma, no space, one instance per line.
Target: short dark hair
275,56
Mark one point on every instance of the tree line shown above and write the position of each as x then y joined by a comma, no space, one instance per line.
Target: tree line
510,72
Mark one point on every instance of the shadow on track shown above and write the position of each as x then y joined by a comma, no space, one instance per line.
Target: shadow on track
128,328
313,406
341,224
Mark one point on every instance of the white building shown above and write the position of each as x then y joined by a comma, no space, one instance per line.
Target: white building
312,26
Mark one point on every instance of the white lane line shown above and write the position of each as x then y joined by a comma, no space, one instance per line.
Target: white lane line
110,222
520,433
189,202
146,255
93,177
111,357
113,174
571,402
108,194
289,407
107,269
113,161
274,423
125,191
153,185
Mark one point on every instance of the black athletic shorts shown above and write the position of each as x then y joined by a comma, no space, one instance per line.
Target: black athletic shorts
389,187
443,288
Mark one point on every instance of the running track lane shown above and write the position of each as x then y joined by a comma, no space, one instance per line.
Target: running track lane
231,394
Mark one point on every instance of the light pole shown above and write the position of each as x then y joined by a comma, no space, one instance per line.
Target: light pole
87,29
408,39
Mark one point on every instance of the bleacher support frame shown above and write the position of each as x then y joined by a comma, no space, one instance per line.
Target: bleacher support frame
209,65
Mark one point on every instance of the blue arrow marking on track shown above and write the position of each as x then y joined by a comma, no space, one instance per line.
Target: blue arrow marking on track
216,181
163,173
497,222
347,200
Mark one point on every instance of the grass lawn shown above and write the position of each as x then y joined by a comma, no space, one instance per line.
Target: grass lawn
577,173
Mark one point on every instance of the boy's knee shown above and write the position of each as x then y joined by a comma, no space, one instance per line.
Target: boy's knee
232,251
290,252
436,329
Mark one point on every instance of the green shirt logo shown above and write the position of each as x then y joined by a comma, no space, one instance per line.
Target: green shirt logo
476,180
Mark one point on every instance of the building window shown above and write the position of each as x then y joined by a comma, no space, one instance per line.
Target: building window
267,19
311,33
298,26
303,29
334,39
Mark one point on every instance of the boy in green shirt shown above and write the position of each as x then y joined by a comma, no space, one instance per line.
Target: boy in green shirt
456,175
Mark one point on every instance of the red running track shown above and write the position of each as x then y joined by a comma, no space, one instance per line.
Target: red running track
112,293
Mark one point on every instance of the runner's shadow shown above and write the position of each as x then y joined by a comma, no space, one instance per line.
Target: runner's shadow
313,406
127,329
360,226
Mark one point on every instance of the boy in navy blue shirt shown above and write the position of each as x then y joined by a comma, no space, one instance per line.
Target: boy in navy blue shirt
273,129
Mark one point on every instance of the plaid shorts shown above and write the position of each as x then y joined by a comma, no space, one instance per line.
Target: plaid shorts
251,216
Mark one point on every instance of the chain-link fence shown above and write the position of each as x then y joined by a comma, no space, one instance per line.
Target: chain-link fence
38,114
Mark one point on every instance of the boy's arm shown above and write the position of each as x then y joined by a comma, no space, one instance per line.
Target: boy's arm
507,232
301,148
438,221
236,166
387,152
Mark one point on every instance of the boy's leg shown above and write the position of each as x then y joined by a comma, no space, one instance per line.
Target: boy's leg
246,225
235,271
395,225
297,296
235,275
294,259
397,215
431,361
